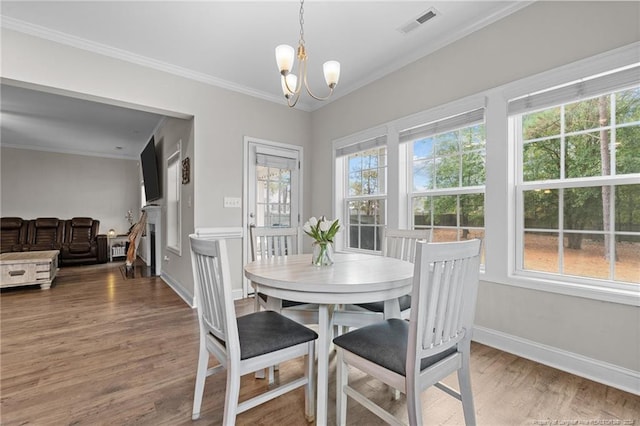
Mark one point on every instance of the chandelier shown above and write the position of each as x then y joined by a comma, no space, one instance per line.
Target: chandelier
291,85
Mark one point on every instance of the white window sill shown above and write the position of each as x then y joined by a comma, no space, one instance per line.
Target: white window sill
625,296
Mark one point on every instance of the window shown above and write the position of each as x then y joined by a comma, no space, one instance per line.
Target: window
273,190
447,176
174,176
578,187
365,178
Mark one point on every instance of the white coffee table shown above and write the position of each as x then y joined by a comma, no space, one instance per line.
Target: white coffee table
28,268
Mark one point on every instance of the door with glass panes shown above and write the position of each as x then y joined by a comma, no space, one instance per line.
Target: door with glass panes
273,188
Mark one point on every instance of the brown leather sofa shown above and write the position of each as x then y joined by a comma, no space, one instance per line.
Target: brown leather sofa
77,239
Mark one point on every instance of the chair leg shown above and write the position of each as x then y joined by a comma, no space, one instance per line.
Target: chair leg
466,394
342,379
201,376
232,395
309,389
414,406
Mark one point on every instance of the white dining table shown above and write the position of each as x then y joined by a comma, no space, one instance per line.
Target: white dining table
353,278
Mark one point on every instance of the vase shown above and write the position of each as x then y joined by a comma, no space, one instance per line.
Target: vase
322,254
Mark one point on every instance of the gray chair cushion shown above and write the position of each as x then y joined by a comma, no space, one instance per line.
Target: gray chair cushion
405,303
385,343
267,331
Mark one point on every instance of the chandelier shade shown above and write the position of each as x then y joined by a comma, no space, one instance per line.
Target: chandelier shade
285,59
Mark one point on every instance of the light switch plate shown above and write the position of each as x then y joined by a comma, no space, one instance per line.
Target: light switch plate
232,202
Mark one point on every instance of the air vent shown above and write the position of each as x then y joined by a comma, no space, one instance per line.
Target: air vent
416,22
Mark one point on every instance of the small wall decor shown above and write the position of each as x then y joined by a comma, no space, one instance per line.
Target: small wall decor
186,171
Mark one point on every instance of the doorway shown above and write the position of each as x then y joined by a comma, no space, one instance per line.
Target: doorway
272,190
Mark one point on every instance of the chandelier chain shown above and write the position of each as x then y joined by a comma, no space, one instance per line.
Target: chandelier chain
302,22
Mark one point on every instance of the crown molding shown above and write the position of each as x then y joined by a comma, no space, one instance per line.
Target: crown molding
123,55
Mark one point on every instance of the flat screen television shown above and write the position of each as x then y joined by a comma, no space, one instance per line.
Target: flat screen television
150,175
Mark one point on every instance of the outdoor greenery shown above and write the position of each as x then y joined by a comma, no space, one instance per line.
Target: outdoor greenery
569,148
590,138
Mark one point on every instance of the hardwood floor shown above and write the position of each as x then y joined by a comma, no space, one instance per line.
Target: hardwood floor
101,349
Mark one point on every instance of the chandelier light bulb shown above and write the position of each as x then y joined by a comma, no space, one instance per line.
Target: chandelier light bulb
284,58
331,73
291,82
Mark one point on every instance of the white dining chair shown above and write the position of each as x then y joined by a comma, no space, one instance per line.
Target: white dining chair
413,355
396,243
277,242
245,344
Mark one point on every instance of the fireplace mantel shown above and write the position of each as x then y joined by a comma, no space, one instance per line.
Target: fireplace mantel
154,222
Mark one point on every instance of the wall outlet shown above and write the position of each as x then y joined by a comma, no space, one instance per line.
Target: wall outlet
232,202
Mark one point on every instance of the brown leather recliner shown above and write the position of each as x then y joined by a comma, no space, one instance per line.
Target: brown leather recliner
14,234
45,233
82,244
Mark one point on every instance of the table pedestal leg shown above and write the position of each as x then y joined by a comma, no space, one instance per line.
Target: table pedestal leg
325,327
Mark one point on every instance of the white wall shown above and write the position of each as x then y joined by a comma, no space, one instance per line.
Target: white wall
561,330
46,184
221,118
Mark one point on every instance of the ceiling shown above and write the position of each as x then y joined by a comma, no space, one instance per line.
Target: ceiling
224,43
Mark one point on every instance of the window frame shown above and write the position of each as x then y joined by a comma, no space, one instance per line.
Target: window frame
174,187
447,191
381,196
562,183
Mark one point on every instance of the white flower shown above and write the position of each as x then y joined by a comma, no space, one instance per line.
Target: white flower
306,227
313,221
324,226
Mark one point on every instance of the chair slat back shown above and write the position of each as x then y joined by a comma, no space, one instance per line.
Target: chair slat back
401,243
445,286
212,283
273,242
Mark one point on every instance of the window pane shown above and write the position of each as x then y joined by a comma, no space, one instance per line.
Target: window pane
588,260
628,150
541,209
472,138
473,170
627,208
472,210
628,106
582,155
628,260
587,114
583,208
541,160
447,172
441,235
541,124
444,212
423,148
541,251
447,143
422,212
366,220
422,175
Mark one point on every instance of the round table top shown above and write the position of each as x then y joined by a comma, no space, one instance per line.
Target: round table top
352,277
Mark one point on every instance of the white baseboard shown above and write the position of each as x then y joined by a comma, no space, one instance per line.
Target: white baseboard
185,294
592,369
179,289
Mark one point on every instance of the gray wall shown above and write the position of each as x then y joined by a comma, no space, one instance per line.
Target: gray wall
46,184
540,37
176,268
